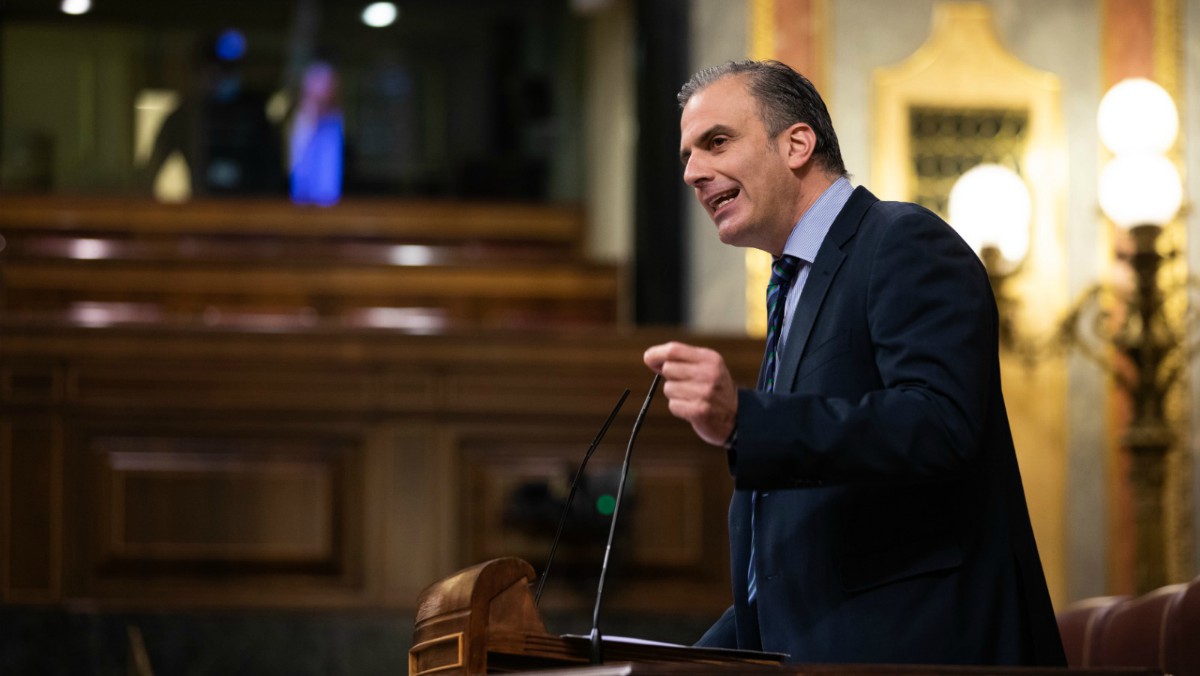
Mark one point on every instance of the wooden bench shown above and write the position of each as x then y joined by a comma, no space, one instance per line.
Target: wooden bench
423,266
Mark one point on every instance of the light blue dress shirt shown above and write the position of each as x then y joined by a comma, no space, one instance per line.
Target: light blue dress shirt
805,241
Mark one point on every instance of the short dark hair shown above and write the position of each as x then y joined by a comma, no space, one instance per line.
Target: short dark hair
784,98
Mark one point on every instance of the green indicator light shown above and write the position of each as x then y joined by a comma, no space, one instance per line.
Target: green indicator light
605,504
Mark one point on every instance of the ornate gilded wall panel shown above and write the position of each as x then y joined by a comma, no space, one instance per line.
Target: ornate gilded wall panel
946,142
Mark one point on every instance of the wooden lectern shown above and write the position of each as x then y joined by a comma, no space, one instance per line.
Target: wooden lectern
483,620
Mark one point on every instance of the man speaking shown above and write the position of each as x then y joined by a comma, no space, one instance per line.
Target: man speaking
878,514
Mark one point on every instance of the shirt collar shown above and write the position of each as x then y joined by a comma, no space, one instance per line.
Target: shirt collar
810,231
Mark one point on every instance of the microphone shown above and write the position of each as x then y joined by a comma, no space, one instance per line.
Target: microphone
597,643
537,596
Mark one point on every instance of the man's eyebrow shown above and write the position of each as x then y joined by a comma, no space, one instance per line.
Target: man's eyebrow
712,131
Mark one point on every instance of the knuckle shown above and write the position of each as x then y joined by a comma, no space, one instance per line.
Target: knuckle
678,408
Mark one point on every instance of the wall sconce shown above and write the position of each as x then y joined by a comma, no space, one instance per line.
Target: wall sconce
1124,328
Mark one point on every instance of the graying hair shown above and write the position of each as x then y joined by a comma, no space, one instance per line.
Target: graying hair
784,98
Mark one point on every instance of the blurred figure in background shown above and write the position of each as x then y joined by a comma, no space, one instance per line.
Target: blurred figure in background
221,129
316,139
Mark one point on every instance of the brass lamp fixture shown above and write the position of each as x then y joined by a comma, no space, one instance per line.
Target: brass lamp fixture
1124,328
1141,191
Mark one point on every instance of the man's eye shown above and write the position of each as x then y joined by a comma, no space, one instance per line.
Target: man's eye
719,141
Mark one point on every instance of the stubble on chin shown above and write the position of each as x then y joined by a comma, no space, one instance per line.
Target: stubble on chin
735,234
728,235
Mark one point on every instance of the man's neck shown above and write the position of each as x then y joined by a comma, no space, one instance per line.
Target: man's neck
812,186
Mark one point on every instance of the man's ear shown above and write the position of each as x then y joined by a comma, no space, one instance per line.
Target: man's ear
801,142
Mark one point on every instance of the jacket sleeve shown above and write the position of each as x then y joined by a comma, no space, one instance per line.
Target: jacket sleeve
723,633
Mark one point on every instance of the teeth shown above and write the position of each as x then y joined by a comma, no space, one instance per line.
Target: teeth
722,200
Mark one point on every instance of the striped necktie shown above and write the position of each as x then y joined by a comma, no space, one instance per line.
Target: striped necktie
783,272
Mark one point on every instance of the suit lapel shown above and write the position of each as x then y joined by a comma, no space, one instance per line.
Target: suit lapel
829,259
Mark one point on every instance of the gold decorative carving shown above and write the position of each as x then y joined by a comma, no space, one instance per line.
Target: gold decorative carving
947,141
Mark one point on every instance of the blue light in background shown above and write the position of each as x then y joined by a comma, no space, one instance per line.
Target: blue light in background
231,45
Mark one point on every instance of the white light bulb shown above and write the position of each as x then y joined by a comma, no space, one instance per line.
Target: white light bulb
76,6
380,14
990,206
1140,189
1137,115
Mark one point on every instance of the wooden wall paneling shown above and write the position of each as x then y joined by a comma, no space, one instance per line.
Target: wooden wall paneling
415,388
496,463
251,502
234,431
417,440
667,524
6,505
150,383
408,490
220,515
670,551
31,382
31,450
551,374
32,492
678,529
552,390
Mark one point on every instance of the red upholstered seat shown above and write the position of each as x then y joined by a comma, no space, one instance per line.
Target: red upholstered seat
1079,622
1139,631
1160,629
1186,661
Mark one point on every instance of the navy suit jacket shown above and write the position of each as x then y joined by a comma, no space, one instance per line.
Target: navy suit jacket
891,522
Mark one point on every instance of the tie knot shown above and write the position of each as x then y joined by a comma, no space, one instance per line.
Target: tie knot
783,270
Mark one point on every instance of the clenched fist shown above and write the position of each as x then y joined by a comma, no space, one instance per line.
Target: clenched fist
698,388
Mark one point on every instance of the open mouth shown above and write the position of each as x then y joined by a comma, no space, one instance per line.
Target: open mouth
721,199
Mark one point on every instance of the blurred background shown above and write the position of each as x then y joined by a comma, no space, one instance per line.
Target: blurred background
307,304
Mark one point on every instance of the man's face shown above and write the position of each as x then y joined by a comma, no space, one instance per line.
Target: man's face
741,177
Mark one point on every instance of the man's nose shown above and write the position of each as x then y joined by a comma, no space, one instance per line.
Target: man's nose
696,171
